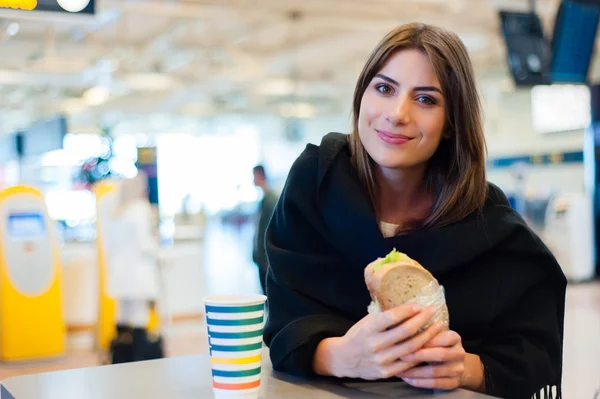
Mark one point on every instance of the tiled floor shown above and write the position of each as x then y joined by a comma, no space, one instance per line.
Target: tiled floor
228,253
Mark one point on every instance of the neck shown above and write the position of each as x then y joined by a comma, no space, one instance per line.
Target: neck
401,194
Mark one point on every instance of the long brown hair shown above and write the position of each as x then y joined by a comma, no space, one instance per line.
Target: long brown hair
456,173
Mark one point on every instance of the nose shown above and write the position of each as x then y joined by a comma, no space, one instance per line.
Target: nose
399,110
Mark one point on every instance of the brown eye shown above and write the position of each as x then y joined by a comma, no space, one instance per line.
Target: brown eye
426,100
384,89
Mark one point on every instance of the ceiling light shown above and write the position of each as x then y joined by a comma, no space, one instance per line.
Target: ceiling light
96,95
73,5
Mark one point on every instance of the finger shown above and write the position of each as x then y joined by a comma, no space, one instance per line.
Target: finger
396,368
394,316
434,383
453,370
409,327
444,339
411,345
436,355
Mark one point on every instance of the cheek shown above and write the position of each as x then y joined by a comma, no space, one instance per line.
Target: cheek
433,127
368,110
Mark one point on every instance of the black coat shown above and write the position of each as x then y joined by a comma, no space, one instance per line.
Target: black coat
504,290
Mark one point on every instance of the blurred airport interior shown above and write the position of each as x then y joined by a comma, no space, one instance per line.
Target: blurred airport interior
195,93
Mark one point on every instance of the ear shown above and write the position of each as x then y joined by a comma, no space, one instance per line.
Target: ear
447,134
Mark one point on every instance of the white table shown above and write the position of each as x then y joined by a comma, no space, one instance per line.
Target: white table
189,377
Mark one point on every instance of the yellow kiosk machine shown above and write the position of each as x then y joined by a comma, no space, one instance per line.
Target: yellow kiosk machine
106,198
31,317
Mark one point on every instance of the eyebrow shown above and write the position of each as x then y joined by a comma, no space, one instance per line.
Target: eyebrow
419,88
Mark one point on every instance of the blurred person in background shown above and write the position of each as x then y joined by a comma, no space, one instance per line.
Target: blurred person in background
267,204
133,275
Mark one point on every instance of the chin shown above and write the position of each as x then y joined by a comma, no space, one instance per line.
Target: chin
394,163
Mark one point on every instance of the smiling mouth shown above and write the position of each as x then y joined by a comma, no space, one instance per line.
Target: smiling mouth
392,138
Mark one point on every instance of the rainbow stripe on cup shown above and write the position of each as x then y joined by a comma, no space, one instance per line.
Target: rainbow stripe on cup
235,334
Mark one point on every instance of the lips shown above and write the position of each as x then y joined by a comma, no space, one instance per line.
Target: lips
391,138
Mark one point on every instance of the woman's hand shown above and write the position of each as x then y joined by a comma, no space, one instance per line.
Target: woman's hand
372,349
449,366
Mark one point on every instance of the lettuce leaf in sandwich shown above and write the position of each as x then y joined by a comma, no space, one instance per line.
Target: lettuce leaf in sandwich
392,257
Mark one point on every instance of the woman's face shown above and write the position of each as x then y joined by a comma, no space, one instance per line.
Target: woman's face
402,112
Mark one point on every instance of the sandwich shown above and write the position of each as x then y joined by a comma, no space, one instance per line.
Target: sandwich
398,280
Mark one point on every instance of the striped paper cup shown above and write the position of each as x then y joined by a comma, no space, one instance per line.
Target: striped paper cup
235,331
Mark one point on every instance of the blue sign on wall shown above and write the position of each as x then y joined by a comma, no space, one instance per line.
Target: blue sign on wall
555,158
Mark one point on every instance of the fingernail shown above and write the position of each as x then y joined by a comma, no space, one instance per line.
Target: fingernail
416,308
409,380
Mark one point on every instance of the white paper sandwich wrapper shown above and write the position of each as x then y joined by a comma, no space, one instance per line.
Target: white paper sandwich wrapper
431,295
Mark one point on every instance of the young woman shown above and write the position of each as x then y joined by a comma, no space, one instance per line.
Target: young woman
411,176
